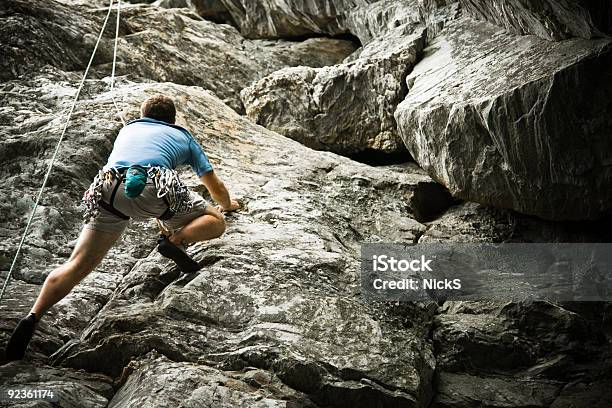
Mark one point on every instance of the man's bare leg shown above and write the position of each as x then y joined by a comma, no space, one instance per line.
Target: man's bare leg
89,251
205,227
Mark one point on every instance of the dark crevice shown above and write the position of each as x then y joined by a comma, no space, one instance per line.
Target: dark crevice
344,36
222,18
429,201
378,158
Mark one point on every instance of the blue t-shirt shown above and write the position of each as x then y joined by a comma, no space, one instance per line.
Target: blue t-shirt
150,142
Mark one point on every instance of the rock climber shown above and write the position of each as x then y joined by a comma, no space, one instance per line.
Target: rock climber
139,181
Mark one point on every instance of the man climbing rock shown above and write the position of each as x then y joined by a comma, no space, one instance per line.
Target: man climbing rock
140,182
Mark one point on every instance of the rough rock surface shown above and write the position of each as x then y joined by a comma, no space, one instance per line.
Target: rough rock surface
346,108
495,118
287,18
488,355
188,50
549,19
257,303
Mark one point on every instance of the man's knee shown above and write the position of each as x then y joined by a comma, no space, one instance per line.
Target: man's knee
74,271
219,226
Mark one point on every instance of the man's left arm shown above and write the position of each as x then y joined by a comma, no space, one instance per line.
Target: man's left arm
219,192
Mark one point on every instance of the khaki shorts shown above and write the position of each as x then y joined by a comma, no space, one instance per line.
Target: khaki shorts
147,205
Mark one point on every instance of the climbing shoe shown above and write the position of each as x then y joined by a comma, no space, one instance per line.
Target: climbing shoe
178,255
18,343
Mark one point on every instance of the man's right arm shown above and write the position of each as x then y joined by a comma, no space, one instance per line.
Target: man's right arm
218,191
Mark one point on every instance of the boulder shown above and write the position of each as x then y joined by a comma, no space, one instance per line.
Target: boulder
464,390
552,20
195,385
275,316
192,51
371,21
346,108
514,122
285,19
472,222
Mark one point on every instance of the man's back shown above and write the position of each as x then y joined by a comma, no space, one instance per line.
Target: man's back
150,142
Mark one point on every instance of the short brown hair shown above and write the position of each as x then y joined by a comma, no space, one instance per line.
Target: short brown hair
159,107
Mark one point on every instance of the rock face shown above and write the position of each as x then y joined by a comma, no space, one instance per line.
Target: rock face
549,19
187,51
495,118
32,35
190,51
475,341
346,108
286,257
285,19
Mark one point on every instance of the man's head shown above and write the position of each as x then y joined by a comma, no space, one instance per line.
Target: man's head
159,107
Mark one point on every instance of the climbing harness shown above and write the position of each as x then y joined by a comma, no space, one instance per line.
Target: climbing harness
63,133
169,187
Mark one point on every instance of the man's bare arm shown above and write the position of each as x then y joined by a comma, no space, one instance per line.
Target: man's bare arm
218,191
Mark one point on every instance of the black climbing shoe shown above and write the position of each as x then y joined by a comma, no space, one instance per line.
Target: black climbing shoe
180,257
18,343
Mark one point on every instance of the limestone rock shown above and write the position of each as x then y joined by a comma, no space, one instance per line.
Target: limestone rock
514,122
471,222
274,318
194,385
190,51
292,252
346,108
187,51
549,19
32,35
380,18
292,18
486,354
73,389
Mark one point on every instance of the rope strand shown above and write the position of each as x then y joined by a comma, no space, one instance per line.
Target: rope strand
112,84
61,138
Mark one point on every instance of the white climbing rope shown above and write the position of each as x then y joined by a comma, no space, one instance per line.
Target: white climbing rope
112,84
61,138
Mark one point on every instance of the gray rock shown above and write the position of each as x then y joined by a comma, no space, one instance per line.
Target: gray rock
471,222
172,3
72,389
347,108
187,51
292,252
33,35
494,118
464,390
274,318
375,20
192,51
365,19
193,385
585,394
435,14
293,18
487,353
552,20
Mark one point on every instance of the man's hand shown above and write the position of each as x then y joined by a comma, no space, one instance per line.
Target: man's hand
234,205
